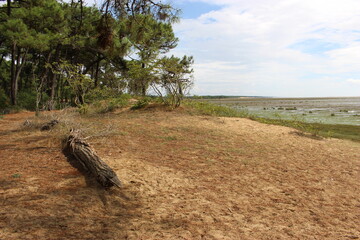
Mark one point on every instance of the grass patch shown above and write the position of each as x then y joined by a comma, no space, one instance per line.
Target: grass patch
105,106
340,131
350,132
169,138
206,108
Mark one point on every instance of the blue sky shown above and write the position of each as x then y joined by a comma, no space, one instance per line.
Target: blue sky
297,48
194,9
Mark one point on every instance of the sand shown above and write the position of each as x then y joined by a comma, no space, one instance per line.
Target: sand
184,177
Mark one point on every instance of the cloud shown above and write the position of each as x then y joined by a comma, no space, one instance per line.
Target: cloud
268,46
354,81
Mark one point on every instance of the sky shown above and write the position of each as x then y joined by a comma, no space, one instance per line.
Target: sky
279,48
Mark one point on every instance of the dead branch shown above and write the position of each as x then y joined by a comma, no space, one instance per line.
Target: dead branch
83,157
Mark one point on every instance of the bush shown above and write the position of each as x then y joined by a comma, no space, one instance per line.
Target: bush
84,109
104,106
27,100
111,104
143,102
4,100
98,94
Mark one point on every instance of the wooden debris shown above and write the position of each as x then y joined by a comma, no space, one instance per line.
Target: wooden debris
49,125
83,157
27,123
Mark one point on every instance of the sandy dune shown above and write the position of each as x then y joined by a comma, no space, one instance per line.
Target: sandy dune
185,177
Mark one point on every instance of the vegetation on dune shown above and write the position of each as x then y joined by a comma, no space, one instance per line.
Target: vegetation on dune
349,132
55,54
211,109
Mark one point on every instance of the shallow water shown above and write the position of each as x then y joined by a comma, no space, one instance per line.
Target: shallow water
321,110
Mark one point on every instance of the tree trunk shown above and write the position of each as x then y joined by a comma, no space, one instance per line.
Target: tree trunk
54,80
2,57
97,74
81,156
13,87
8,7
4,83
39,87
143,83
15,71
52,91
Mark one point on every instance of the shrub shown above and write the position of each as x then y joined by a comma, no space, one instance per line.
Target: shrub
143,102
102,94
111,104
27,100
4,100
84,109
104,106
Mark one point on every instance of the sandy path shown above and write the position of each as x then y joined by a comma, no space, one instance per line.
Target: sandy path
185,177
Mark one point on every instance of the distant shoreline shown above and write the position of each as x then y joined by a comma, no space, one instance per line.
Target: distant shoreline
225,98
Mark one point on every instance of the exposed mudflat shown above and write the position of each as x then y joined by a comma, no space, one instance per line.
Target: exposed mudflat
184,177
336,110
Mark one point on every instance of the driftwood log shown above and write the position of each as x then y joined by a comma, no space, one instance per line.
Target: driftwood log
49,125
83,157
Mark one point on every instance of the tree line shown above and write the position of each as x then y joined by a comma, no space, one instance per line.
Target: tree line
54,53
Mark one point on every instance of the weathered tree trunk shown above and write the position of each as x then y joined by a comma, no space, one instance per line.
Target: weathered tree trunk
81,156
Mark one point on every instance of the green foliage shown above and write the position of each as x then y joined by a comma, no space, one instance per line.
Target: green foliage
149,35
149,38
105,106
97,94
76,54
350,132
300,124
175,78
112,104
27,100
83,108
4,100
169,138
140,76
79,83
16,175
206,108
37,24
141,103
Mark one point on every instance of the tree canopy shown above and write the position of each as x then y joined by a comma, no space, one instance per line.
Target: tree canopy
53,53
